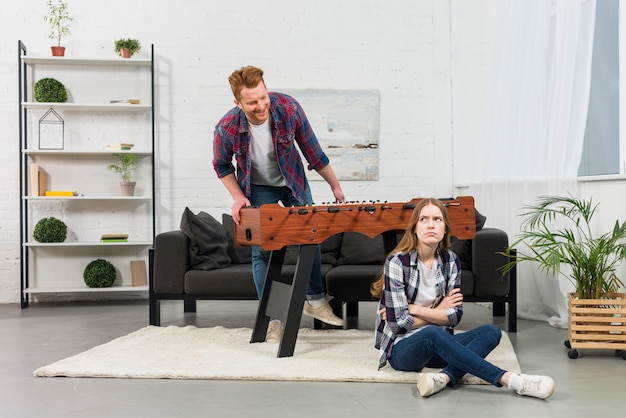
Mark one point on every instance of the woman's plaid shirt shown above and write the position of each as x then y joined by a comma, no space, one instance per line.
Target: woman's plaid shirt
402,280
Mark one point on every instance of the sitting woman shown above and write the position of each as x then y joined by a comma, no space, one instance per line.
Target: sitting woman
420,296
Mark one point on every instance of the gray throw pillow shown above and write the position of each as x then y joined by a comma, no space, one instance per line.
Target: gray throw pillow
208,248
239,254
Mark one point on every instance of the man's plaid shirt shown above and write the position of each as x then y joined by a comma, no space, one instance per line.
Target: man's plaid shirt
289,126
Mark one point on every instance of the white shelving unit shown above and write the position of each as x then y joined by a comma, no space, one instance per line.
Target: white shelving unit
90,122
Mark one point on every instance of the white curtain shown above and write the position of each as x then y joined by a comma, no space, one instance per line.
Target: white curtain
527,139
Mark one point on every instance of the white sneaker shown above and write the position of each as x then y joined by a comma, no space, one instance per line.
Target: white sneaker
430,383
324,313
536,386
274,332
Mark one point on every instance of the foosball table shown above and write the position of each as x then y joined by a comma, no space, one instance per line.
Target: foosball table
274,227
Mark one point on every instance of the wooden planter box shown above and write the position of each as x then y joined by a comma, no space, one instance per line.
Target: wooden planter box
597,323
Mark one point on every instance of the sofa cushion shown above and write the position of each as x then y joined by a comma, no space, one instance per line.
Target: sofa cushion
234,282
352,282
238,254
360,249
207,241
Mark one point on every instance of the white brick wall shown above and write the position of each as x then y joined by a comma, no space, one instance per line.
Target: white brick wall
399,47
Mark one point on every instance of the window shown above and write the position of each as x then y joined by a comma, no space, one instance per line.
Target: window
601,149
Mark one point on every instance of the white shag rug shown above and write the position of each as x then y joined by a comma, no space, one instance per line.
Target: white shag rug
222,353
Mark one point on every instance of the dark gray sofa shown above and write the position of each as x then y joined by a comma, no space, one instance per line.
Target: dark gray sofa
350,261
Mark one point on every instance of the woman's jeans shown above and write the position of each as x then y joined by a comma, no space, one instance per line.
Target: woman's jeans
260,195
458,354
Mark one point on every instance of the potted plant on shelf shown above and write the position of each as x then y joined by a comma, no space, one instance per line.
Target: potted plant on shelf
125,167
127,47
49,230
58,18
557,234
49,90
99,273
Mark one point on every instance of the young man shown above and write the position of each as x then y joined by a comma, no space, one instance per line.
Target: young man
261,132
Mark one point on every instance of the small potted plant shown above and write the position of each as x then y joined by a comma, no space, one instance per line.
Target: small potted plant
127,47
125,167
49,90
99,273
58,18
50,230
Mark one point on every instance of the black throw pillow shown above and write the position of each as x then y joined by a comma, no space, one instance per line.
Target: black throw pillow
463,248
208,248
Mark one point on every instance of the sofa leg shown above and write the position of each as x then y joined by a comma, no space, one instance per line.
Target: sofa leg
155,311
352,315
513,301
189,306
499,308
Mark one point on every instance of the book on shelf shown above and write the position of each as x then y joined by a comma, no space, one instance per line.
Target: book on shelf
59,193
138,273
114,238
43,181
129,101
37,180
122,146
33,179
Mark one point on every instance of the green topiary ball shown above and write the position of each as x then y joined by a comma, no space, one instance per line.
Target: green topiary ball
49,90
50,230
99,273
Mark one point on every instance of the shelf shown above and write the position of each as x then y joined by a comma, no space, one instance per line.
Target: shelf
86,289
89,244
93,107
57,153
114,62
50,198
94,120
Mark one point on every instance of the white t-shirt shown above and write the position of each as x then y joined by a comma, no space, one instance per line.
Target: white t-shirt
264,169
426,292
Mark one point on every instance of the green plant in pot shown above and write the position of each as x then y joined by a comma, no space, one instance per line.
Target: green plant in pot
126,163
50,230
59,19
49,90
126,48
557,233
99,273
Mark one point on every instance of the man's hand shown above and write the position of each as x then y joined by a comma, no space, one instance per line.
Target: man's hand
338,193
240,202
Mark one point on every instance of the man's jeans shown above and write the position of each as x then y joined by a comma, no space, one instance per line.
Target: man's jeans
260,195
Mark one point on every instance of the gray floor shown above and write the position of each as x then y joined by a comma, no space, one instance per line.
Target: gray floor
591,385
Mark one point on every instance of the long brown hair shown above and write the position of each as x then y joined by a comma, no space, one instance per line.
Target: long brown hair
409,241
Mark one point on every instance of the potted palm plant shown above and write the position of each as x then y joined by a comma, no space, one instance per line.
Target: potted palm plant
58,18
125,166
557,234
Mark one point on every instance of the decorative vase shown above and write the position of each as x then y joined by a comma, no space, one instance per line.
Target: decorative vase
58,51
125,53
128,188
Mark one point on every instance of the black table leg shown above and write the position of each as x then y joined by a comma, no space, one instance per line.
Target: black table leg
284,301
262,320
